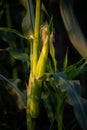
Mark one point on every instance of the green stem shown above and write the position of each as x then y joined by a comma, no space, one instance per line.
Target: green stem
33,104
36,34
60,123
61,97
30,122
34,87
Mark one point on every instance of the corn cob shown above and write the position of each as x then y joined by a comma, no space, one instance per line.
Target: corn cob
44,54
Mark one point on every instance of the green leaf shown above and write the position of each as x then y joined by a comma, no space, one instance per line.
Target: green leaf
4,30
75,69
44,9
19,55
65,62
14,91
7,37
52,53
61,97
48,98
73,29
28,21
79,104
49,67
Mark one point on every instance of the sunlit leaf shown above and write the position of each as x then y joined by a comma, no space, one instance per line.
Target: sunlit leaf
75,69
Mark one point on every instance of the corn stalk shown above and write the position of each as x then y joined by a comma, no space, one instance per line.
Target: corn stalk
38,63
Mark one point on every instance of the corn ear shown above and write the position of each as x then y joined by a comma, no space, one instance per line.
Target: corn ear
42,59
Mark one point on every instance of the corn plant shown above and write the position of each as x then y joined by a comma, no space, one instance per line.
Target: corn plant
44,83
